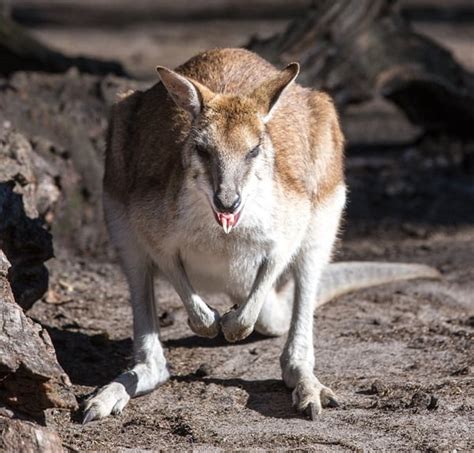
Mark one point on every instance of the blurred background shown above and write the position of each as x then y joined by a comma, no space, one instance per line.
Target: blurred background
401,73
402,76
144,33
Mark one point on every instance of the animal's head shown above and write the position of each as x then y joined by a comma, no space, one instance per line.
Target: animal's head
228,150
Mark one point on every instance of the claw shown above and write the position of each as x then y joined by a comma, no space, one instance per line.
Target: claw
310,396
331,401
234,328
90,415
116,411
313,410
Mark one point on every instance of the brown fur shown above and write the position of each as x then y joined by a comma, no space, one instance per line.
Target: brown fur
304,130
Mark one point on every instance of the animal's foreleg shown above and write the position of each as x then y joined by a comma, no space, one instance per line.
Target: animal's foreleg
150,368
202,319
239,323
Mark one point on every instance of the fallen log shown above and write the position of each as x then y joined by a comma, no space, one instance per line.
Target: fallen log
359,49
20,52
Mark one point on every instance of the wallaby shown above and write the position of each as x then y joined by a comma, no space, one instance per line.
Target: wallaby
227,177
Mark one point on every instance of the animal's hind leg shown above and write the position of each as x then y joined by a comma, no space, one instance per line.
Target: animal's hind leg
297,359
275,315
150,368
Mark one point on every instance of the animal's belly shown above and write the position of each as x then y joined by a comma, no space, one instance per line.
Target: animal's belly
222,272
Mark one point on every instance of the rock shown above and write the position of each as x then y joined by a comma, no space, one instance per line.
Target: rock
65,119
166,319
26,437
424,400
27,191
31,379
203,370
378,388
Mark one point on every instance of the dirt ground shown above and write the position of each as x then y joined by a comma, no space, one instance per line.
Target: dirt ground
399,357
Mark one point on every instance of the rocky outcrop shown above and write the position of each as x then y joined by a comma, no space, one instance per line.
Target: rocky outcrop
28,193
64,118
26,437
31,380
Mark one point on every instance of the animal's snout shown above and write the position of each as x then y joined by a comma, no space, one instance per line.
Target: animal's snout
227,203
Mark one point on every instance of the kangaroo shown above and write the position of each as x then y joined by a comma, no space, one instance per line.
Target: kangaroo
227,177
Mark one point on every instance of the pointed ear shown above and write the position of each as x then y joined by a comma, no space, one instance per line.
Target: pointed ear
269,92
188,94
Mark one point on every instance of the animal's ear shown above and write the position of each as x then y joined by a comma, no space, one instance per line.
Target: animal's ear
269,92
188,94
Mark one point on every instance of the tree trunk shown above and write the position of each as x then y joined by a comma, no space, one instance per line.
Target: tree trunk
358,49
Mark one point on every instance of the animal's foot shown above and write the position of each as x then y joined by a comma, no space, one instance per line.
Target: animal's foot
110,399
310,396
206,323
235,327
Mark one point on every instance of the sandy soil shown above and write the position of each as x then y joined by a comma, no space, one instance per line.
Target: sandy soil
399,358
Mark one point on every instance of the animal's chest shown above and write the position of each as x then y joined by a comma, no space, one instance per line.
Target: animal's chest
229,263
220,263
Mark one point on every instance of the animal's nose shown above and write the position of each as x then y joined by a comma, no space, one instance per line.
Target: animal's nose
223,204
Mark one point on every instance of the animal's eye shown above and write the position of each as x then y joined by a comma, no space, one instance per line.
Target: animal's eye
202,152
253,153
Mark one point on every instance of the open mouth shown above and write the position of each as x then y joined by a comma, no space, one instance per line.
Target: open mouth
226,220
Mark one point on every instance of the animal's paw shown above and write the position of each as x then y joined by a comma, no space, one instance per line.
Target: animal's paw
110,399
235,327
310,396
206,323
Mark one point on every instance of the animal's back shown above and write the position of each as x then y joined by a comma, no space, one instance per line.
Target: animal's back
228,71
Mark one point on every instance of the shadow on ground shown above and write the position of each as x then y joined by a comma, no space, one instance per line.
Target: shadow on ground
94,360
269,397
193,341
90,360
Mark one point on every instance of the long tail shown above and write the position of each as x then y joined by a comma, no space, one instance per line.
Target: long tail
344,277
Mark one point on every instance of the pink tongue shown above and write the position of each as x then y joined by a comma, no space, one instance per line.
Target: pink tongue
227,221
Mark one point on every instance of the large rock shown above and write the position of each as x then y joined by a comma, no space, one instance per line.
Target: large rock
28,193
31,379
26,437
65,119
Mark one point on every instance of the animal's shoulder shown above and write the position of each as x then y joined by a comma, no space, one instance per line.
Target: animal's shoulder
118,135
309,144
146,133
327,144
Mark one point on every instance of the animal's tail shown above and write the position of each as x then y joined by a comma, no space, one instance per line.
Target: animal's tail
344,277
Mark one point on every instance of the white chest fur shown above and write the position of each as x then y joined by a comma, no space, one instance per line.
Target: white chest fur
225,263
